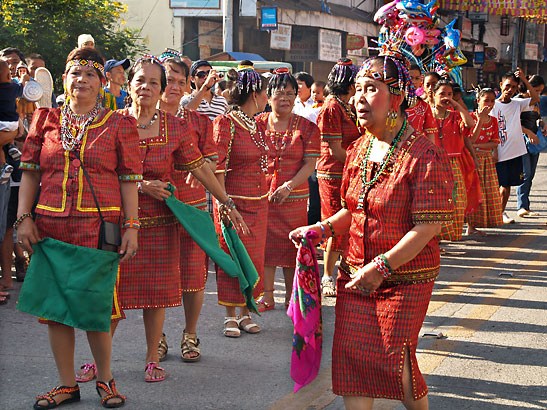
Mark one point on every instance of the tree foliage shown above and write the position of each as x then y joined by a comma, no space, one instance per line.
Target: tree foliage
51,28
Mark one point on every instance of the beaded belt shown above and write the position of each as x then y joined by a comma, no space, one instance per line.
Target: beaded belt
158,221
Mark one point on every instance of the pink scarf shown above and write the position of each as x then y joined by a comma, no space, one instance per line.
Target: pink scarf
305,312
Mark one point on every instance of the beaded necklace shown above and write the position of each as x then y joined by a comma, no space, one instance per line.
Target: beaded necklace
486,132
75,126
144,126
250,124
387,159
279,141
347,108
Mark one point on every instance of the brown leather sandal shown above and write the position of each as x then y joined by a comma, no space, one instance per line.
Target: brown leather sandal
163,348
190,344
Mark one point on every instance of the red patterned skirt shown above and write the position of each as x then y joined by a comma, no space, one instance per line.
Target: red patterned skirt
193,263
329,191
282,219
152,278
453,231
489,212
255,215
371,336
81,231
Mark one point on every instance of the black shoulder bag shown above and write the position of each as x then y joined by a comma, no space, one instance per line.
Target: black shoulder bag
110,234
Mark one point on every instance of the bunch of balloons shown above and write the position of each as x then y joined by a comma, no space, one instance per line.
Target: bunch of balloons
409,28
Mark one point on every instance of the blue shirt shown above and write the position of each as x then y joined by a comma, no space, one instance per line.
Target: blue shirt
120,103
9,92
543,105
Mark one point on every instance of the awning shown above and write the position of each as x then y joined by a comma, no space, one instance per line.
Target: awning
235,56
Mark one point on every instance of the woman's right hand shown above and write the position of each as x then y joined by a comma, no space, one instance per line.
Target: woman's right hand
28,234
297,235
156,189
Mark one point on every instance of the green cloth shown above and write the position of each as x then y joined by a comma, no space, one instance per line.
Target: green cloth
70,284
201,228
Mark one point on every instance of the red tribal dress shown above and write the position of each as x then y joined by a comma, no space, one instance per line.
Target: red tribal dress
243,161
421,118
489,212
286,156
66,210
152,278
450,135
336,122
373,332
193,261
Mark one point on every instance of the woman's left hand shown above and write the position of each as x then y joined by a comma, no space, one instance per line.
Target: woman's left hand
367,280
237,221
129,244
279,195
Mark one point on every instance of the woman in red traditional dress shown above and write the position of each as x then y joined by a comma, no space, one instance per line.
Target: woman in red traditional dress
454,123
485,138
58,141
193,261
396,193
152,280
294,148
243,164
420,117
338,126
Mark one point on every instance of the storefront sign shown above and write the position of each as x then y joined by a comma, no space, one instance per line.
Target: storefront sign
195,4
268,20
330,45
490,53
489,67
355,42
479,57
531,52
303,44
280,39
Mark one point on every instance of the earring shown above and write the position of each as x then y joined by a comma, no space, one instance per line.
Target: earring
256,103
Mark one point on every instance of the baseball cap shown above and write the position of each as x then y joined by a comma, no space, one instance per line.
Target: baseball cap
110,64
198,64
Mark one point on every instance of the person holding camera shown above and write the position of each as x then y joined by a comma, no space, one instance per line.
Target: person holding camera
204,99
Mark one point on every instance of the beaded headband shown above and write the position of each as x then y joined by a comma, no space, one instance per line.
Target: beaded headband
152,59
248,79
85,63
343,70
170,53
281,71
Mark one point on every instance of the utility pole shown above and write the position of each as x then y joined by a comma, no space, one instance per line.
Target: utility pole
228,25
516,38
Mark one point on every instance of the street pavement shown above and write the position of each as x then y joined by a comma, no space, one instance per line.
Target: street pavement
493,353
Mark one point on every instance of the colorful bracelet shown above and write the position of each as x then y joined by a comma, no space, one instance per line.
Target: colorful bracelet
132,223
323,236
381,264
288,186
331,228
21,219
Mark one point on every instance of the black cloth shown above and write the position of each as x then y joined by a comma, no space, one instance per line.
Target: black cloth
510,172
9,92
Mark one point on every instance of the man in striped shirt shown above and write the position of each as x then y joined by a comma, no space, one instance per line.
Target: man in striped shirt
204,99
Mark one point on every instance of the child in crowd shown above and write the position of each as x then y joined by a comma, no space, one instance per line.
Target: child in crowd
420,117
9,118
485,137
318,93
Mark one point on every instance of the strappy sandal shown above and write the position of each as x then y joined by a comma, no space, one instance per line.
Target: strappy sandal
163,348
247,328
231,331
111,393
49,397
190,344
89,369
150,367
265,306
327,285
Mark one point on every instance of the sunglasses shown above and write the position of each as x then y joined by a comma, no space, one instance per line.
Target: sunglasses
204,74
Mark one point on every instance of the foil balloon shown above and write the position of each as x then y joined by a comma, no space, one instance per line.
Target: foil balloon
455,74
387,13
455,58
415,13
414,36
452,36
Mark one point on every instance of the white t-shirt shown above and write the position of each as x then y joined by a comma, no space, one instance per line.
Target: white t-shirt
512,143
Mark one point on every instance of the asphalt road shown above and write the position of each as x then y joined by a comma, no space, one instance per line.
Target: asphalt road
494,355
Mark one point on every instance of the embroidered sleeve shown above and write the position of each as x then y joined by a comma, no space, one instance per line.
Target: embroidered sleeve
30,161
329,122
204,129
433,187
311,140
222,135
430,125
129,161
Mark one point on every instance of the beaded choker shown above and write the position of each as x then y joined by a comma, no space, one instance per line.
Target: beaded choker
383,165
250,124
279,140
75,126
